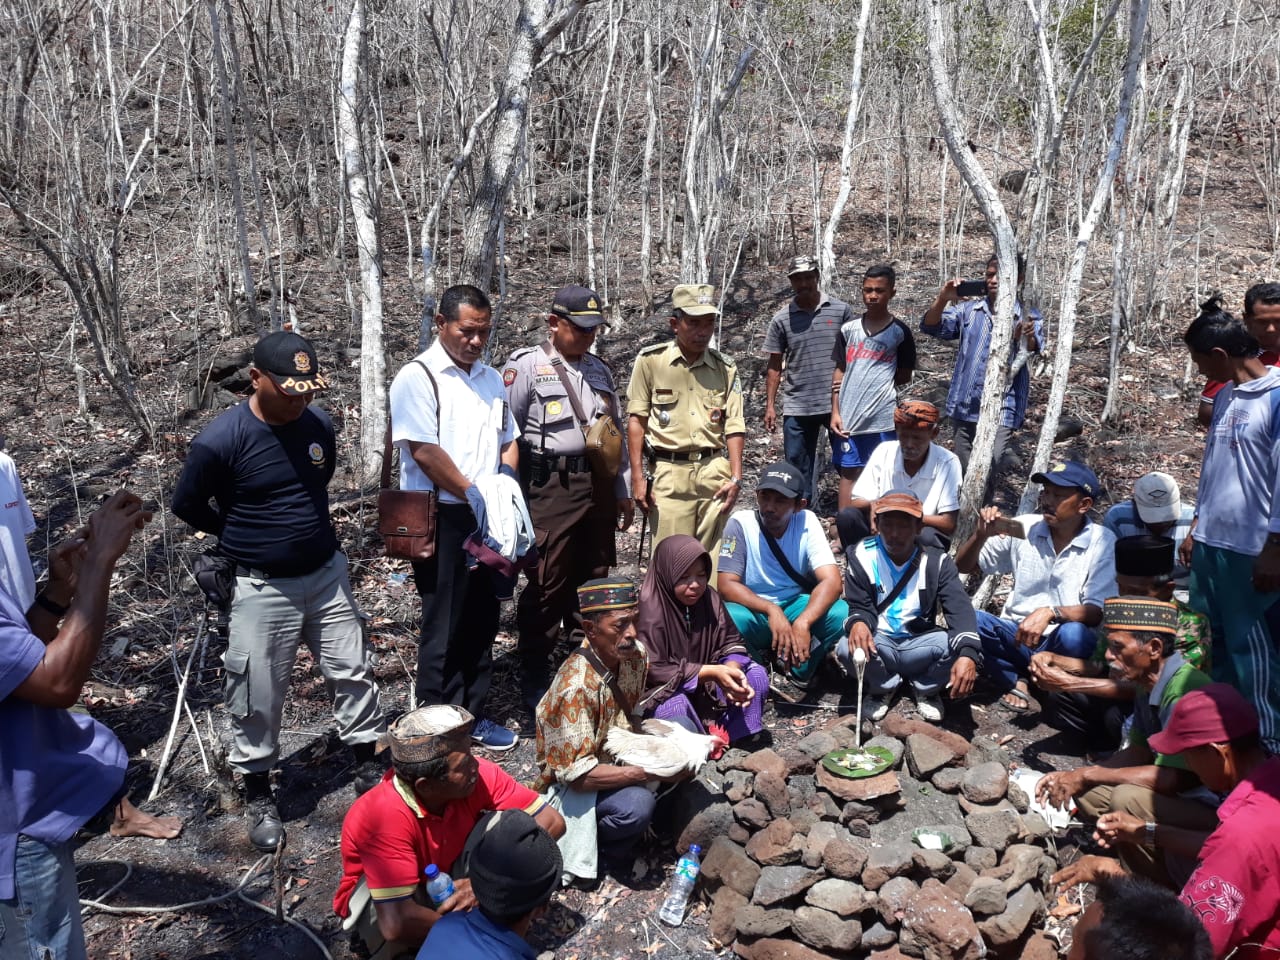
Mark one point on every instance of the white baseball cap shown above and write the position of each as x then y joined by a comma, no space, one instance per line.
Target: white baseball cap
1157,498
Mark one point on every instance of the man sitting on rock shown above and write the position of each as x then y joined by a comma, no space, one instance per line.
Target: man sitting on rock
781,584
894,586
514,868
1063,568
1082,694
912,462
1233,889
423,812
1156,788
608,806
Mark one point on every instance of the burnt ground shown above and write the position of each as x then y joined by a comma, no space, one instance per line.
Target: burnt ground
71,457
134,686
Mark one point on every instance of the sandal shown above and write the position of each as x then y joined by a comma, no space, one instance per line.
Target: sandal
1027,706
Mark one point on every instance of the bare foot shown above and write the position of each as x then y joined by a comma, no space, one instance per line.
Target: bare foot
128,821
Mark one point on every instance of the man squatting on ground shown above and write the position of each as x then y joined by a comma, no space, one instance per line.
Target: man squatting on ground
429,808
451,420
780,583
1063,569
895,584
257,477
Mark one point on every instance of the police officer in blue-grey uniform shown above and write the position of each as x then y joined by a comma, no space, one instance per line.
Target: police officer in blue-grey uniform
574,511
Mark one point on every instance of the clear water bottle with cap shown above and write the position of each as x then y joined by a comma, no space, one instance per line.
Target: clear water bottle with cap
682,883
439,885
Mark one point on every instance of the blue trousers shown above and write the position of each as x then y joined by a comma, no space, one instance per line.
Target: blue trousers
923,660
42,921
621,818
1007,660
800,444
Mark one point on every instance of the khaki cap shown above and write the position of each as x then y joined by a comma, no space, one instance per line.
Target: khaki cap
694,299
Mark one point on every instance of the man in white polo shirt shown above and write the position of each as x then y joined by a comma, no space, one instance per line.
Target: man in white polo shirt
450,419
1063,568
911,462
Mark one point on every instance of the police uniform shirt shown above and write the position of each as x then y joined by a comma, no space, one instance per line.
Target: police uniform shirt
689,406
473,431
542,410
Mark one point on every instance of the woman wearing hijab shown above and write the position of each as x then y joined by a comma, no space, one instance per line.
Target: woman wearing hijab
699,669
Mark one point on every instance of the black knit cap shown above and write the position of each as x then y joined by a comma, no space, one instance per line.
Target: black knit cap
515,867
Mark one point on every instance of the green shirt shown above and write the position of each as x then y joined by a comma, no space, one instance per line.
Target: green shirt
1151,709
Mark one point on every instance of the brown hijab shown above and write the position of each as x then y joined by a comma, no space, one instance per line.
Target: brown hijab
681,639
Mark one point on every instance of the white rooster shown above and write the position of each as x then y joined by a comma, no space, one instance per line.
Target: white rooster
666,749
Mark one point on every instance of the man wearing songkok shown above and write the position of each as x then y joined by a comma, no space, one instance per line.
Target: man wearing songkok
912,462
1063,567
895,585
1155,787
1233,889
608,806
1155,509
781,584
514,868
423,812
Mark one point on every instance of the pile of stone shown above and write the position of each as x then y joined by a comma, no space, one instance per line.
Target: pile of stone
803,864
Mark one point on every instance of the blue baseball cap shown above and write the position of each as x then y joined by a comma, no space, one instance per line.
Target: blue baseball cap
1070,473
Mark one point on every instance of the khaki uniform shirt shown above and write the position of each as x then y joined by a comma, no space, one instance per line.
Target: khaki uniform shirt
689,406
543,413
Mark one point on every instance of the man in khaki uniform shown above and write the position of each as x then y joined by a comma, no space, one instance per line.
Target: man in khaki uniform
574,513
685,407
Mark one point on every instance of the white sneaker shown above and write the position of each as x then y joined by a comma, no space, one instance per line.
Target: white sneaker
929,707
875,709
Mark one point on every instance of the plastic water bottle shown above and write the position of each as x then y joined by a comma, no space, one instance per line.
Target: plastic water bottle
439,885
686,875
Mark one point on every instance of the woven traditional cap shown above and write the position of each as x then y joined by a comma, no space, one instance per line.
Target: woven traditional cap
429,733
607,593
1139,613
915,413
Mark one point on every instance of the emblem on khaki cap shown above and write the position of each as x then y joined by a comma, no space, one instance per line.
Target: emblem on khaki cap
694,299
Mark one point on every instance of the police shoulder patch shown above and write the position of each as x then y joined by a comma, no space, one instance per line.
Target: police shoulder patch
509,376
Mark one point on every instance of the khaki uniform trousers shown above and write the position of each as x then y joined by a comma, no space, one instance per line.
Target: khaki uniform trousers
1149,806
683,503
269,618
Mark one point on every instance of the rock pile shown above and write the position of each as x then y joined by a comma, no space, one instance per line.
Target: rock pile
803,864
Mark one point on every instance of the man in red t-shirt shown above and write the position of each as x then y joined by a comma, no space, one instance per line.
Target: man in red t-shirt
423,812
1262,317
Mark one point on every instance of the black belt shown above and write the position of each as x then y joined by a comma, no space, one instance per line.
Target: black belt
686,456
555,463
258,574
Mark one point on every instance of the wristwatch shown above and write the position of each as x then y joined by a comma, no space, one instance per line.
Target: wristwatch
1057,615
1151,832
736,481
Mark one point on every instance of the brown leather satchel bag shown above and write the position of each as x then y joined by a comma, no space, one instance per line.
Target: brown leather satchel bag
407,518
603,436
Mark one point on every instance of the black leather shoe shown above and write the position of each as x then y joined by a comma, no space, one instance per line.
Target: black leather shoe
266,829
